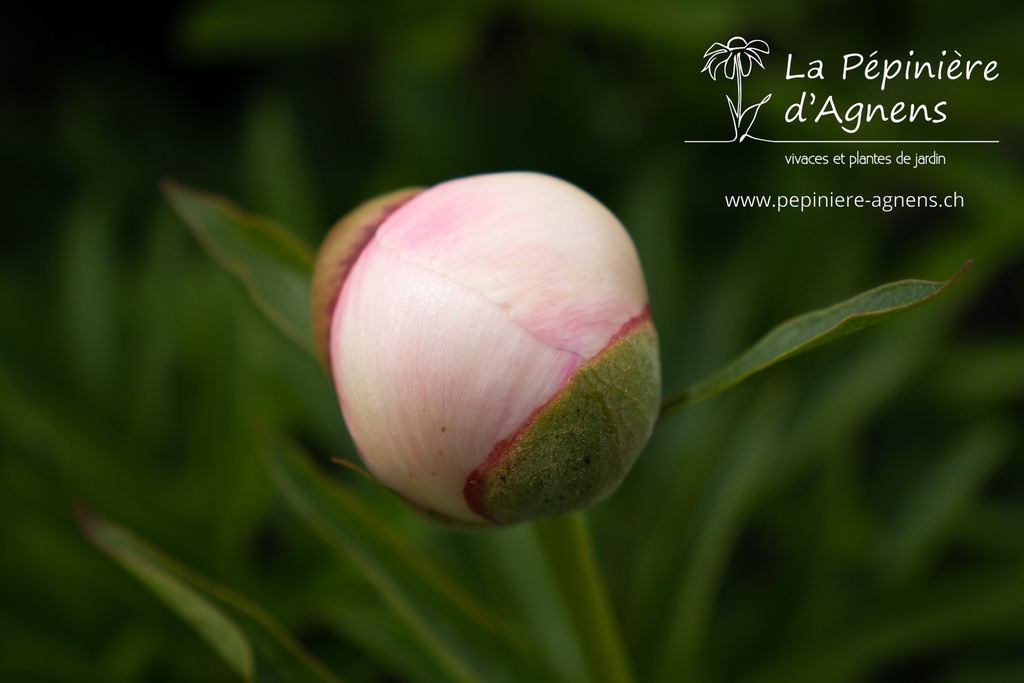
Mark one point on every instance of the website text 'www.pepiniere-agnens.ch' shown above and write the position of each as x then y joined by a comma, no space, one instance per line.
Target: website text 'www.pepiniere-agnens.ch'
832,200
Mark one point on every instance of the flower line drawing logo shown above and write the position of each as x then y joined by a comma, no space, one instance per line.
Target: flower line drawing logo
736,59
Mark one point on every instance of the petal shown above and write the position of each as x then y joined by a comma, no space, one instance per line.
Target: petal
557,260
431,375
758,46
716,63
729,68
743,64
716,49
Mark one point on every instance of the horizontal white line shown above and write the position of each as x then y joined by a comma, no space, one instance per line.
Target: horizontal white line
862,142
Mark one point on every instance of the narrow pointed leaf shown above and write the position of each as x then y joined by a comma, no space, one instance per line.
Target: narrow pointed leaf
720,515
750,115
470,642
733,109
274,265
803,333
253,644
929,510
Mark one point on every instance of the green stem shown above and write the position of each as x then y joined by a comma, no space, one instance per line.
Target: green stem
566,543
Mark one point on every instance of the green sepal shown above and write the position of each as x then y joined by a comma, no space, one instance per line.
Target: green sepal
577,448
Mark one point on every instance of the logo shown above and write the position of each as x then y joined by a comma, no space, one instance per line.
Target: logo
736,59
820,108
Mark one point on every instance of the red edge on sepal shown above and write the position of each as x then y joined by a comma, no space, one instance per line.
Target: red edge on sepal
473,490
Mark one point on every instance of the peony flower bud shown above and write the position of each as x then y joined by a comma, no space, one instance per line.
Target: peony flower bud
491,345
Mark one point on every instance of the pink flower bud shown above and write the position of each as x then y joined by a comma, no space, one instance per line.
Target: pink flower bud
491,344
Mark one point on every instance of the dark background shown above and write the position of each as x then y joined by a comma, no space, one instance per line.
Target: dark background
871,525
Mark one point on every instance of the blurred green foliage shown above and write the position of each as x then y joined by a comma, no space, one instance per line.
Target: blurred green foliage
854,515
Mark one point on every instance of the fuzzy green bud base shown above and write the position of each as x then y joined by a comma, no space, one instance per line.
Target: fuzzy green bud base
576,449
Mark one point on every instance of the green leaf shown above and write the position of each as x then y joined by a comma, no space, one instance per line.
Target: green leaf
470,642
944,490
274,265
253,644
812,329
719,518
